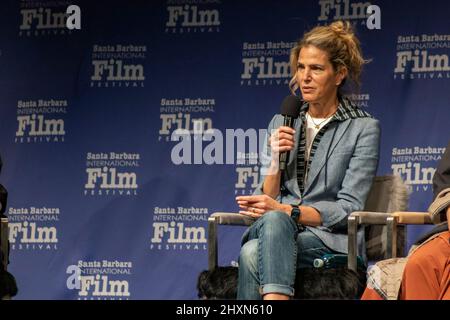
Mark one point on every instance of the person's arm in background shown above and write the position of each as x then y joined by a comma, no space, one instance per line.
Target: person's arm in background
448,217
440,208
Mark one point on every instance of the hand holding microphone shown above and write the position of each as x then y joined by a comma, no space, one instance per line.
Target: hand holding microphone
282,139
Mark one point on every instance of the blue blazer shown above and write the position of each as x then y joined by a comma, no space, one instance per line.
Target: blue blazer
339,178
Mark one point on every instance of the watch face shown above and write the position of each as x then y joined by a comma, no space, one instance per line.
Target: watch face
295,213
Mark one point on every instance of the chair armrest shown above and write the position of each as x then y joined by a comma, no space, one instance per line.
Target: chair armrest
222,218
355,219
370,217
403,217
408,217
235,219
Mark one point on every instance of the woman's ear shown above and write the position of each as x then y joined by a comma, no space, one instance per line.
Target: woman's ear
341,75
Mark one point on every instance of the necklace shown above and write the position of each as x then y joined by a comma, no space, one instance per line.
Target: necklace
317,126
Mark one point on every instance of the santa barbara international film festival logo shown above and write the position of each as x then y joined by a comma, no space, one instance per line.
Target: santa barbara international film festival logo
179,228
33,228
192,16
48,18
41,120
190,114
247,173
416,165
423,56
118,66
357,12
111,174
266,63
100,280
362,100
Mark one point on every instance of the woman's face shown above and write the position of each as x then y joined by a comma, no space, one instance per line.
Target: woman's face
316,77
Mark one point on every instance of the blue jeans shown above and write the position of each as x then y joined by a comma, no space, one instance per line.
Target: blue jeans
271,252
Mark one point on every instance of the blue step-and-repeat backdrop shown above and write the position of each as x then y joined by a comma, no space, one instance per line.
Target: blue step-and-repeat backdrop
106,201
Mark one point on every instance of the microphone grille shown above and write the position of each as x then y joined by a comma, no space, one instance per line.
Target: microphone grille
291,106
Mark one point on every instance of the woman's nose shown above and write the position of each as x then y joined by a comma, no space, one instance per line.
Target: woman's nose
306,74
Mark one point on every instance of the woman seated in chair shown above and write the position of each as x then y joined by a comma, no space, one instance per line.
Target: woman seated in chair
425,274
333,159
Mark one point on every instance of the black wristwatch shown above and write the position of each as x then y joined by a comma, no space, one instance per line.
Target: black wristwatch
295,213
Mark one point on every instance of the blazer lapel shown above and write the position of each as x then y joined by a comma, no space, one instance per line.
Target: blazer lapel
292,184
332,136
297,128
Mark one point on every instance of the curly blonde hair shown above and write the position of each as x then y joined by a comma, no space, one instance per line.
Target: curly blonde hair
340,43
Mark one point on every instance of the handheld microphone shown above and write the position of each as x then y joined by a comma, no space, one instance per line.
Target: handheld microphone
290,109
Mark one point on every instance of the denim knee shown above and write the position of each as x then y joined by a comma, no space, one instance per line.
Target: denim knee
248,258
278,221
